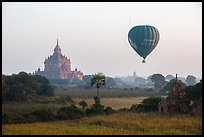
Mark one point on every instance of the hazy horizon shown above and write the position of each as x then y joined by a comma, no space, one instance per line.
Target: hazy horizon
94,36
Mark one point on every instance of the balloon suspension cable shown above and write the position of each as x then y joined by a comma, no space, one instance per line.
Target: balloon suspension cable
143,61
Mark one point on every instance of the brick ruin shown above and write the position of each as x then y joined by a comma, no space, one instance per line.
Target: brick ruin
176,101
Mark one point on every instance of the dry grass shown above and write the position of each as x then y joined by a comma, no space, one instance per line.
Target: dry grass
27,107
124,123
115,103
106,93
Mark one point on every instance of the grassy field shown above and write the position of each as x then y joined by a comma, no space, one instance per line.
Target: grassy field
106,93
13,112
123,123
115,103
17,109
115,98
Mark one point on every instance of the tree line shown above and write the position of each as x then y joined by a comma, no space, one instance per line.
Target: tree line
24,86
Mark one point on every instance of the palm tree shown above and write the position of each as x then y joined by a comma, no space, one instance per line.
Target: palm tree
98,80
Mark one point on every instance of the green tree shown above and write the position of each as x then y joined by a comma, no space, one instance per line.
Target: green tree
43,114
159,80
148,105
83,104
45,89
169,77
87,81
98,80
191,80
95,109
70,112
58,81
194,92
23,86
169,85
110,82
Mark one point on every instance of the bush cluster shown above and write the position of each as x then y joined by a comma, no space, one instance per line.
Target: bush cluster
23,87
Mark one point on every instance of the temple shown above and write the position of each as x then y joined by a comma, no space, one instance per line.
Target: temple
176,101
57,66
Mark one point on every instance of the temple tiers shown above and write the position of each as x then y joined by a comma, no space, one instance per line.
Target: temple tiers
57,66
176,101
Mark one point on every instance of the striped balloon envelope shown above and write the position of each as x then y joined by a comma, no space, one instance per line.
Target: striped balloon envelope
143,39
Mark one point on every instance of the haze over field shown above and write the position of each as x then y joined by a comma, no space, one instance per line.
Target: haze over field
94,36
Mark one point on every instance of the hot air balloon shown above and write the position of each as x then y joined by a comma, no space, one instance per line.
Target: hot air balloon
143,39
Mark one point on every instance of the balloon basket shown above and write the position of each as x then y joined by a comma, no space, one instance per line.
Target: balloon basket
143,61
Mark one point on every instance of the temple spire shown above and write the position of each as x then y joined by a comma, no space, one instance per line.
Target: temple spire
134,74
57,42
57,48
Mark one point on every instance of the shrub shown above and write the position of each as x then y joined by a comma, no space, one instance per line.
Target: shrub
149,104
6,118
97,100
133,108
83,104
20,87
95,109
10,117
45,90
61,100
69,113
194,92
123,110
109,110
69,99
43,114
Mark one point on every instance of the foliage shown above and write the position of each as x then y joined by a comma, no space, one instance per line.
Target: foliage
45,90
110,82
17,92
19,87
95,109
169,85
83,104
134,108
148,105
196,103
123,110
69,113
159,80
118,81
98,80
58,81
14,111
87,81
62,83
140,80
61,100
191,80
151,104
43,114
109,110
12,117
16,87
97,100
194,92
21,112
169,77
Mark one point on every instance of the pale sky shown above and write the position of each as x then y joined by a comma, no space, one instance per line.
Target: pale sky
94,36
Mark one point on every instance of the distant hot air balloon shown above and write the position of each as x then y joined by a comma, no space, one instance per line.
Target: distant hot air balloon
143,39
